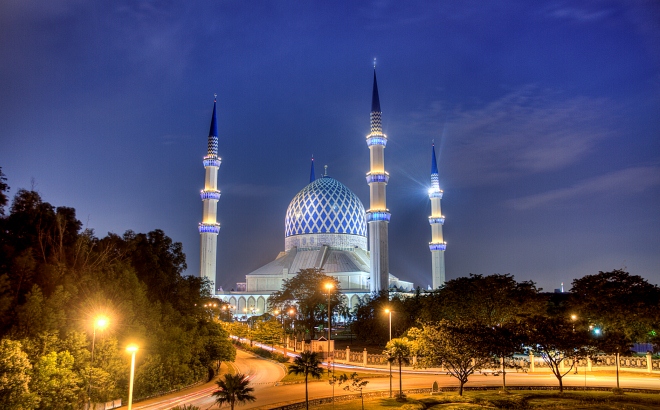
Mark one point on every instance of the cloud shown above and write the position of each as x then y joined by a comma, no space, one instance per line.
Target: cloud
580,15
527,131
627,181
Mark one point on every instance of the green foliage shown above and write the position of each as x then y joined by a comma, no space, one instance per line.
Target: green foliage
307,294
489,300
461,347
267,332
15,369
186,407
55,279
58,385
556,340
620,302
233,389
265,353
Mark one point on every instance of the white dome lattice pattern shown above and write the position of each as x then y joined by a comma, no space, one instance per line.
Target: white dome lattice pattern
325,206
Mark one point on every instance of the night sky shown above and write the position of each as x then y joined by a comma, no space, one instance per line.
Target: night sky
545,115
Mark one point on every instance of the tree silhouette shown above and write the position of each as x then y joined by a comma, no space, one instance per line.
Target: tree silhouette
233,389
309,364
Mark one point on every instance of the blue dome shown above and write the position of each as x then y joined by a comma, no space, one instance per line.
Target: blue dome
325,206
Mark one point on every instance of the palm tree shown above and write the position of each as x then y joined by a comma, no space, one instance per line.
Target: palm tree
308,363
233,389
398,351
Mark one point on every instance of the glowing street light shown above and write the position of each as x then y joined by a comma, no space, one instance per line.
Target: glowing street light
329,286
100,322
132,349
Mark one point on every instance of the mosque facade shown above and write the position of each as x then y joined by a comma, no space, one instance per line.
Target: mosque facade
325,227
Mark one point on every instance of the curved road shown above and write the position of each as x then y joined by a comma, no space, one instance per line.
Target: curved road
265,374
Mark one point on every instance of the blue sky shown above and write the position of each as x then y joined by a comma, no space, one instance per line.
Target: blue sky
546,117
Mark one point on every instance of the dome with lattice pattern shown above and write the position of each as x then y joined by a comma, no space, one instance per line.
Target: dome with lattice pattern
325,212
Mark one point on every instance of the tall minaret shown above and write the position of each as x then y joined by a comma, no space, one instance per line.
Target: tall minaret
437,244
209,227
378,216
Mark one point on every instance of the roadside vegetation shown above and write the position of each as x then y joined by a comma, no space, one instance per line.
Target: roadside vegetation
522,400
70,303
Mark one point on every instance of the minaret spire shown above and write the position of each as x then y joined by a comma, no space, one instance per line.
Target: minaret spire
209,227
378,216
312,175
437,244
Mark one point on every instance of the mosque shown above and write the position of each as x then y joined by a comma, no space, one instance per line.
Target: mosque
325,227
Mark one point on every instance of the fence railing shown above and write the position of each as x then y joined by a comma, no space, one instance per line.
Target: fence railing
529,363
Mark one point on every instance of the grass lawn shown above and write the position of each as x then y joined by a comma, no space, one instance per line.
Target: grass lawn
514,400
325,377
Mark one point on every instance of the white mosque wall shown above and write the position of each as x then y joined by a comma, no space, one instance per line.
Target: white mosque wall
340,241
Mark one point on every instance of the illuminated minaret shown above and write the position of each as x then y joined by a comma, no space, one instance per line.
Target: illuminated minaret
437,244
378,216
209,227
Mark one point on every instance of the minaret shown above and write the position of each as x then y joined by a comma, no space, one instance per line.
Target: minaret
209,227
378,216
437,244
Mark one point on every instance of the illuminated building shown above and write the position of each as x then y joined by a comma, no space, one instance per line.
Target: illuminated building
326,227
209,227
378,216
437,244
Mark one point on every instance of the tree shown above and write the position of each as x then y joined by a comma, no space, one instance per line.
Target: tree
15,377
504,342
3,188
370,317
398,351
555,340
55,381
489,300
616,343
461,347
233,389
356,384
618,301
309,364
306,291
267,332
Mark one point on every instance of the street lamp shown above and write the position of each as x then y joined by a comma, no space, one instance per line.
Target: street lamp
389,312
295,337
132,349
101,322
329,287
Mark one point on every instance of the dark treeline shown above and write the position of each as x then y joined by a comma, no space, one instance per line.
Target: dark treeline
479,322
56,279
604,302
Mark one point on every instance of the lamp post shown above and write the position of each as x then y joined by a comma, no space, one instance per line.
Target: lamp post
101,322
295,338
329,287
132,349
389,312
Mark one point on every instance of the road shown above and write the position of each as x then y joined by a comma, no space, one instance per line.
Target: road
265,374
